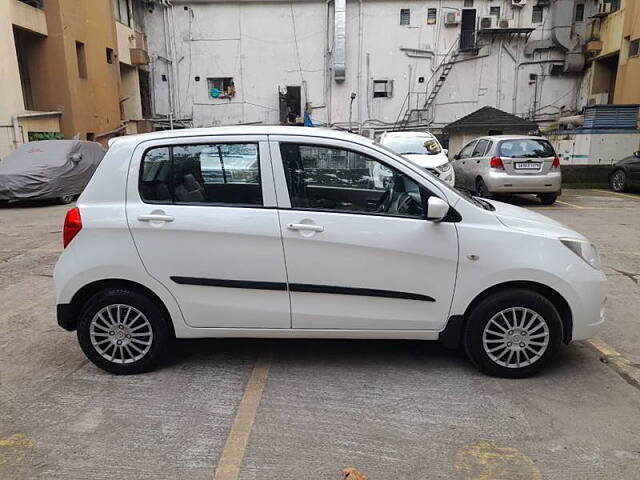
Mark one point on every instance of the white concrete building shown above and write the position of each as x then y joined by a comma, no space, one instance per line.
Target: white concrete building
221,62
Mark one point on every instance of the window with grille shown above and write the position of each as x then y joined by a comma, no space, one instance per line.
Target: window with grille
431,16
634,48
537,14
382,88
405,16
468,3
580,12
495,11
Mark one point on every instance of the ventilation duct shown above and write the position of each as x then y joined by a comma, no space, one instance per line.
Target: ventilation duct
340,40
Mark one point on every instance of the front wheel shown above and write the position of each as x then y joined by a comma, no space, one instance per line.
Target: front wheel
123,331
481,189
548,198
512,333
618,181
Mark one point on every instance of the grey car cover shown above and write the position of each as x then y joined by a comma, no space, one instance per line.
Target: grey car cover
48,169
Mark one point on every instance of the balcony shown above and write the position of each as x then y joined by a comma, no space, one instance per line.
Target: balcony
29,15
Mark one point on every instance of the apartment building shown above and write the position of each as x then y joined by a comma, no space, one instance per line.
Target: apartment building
71,68
365,65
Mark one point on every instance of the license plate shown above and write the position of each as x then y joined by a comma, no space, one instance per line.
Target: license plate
527,166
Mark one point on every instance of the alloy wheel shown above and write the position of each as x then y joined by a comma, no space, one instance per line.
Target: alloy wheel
121,333
618,181
515,337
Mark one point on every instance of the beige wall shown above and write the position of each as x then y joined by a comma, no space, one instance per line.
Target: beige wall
628,85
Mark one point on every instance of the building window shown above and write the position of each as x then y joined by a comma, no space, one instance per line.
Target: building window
109,55
122,11
222,87
580,12
468,3
431,16
81,58
537,14
495,11
382,88
634,48
615,4
405,16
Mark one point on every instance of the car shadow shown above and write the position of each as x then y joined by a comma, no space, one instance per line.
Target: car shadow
33,204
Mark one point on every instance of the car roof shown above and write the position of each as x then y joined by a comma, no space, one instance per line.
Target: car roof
408,134
243,130
510,137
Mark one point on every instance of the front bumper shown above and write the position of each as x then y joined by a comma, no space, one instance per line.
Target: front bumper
503,182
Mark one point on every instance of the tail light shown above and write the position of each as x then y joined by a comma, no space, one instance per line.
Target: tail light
556,162
72,225
496,162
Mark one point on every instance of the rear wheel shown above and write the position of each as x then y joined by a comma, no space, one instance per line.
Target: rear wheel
512,333
481,189
548,198
618,181
123,331
66,199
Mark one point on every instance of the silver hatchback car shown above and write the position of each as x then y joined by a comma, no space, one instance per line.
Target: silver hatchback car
509,164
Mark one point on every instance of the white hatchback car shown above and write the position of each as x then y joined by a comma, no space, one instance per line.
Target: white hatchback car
423,149
323,235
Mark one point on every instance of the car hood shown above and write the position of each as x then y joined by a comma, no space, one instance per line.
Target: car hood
428,161
524,220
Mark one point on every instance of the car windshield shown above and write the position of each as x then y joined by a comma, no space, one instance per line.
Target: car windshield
525,148
419,145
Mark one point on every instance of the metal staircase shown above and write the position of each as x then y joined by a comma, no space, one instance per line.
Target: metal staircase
442,72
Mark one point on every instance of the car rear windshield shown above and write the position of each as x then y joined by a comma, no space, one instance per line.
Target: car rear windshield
526,148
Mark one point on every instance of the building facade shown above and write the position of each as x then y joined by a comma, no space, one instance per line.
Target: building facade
70,69
368,64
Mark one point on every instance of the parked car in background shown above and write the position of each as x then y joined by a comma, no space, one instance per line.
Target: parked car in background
507,164
314,247
625,173
49,170
423,149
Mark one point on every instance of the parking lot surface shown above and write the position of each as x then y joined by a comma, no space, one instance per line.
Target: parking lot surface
254,409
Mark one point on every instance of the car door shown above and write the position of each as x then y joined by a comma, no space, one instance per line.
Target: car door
202,214
461,166
359,252
634,168
477,166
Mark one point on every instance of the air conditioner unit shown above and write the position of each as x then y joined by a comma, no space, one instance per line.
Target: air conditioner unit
518,3
604,8
487,23
452,18
505,23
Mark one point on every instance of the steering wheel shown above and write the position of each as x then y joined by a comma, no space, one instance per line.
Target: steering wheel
387,197
404,203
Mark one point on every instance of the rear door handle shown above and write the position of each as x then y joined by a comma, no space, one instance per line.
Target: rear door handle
155,217
305,226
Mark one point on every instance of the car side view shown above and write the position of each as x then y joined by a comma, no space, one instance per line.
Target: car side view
295,232
508,164
625,173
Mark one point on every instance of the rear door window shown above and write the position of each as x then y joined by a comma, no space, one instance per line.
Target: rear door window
217,174
525,148
467,150
481,147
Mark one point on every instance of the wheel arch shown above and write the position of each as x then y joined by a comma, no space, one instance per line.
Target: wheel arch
87,291
452,334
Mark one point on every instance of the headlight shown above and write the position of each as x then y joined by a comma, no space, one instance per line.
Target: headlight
585,250
445,167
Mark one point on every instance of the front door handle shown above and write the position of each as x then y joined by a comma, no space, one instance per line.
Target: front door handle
305,226
155,217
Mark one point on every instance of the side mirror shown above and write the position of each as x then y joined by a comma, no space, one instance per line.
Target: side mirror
437,209
446,151
456,156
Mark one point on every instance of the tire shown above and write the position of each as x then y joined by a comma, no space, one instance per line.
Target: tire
66,199
507,359
618,180
481,189
548,198
98,337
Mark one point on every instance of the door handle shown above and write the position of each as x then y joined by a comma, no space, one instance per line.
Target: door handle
155,217
305,226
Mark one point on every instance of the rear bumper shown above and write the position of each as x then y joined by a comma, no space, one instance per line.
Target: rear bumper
502,182
66,316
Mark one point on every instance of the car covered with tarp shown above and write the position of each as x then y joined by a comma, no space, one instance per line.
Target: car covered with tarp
49,170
